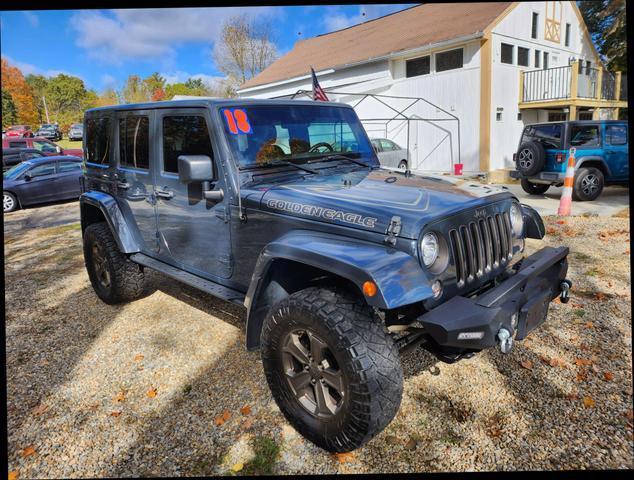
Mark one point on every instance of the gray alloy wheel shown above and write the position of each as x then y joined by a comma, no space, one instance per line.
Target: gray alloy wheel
9,202
312,373
525,159
590,185
589,182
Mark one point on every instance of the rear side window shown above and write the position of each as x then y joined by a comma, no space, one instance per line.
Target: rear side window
19,144
134,142
616,134
44,146
184,135
43,169
548,135
68,166
98,140
584,135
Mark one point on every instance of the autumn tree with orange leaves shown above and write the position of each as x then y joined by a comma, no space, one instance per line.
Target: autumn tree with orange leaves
13,82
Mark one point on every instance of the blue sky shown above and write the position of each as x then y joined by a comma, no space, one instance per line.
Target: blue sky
103,47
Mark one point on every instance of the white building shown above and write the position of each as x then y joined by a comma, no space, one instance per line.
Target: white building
494,66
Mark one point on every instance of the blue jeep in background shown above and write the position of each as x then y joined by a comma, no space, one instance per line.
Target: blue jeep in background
601,158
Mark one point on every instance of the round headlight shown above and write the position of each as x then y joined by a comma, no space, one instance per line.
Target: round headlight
517,221
429,248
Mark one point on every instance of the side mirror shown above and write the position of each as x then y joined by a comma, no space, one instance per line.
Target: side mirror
194,168
199,168
59,149
28,176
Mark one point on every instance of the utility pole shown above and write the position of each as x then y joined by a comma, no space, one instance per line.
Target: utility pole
45,109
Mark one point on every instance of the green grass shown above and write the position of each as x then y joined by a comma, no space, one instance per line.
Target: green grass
266,452
580,312
66,143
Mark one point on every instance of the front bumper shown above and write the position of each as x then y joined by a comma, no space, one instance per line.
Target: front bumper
518,304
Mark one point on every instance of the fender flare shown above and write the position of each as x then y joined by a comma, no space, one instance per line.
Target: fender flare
399,277
594,158
126,235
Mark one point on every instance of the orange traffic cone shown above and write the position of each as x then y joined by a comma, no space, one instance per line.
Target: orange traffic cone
565,202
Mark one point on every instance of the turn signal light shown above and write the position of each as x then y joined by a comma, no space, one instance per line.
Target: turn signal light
560,157
369,288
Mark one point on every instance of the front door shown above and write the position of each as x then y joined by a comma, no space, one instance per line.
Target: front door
134,181
193,232
40,186
615,148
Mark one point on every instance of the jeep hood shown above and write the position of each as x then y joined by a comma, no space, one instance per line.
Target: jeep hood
369,199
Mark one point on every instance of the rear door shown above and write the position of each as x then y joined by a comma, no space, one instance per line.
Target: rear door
67,180
134,172
615,147
389,155
193,232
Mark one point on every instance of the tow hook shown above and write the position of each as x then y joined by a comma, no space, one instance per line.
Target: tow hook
505,340
565,291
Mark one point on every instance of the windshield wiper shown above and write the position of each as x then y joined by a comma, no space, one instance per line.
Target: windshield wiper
279,163
344,157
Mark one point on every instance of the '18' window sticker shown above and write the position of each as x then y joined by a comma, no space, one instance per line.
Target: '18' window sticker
237,121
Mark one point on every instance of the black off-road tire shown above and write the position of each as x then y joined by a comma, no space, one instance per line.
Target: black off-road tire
126,278
364,352
588,185
534,188
530,158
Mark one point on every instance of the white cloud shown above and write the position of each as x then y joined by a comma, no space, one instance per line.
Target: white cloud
180,76
108,81
121,35
32,18
30,69
338,21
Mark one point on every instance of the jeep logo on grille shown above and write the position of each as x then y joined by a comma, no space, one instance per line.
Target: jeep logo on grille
480,213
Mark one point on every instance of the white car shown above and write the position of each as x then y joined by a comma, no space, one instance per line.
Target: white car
390,154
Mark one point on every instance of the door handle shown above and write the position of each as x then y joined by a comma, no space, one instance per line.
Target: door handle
164,194
123,185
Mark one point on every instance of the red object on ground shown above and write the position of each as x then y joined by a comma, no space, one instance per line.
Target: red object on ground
457,169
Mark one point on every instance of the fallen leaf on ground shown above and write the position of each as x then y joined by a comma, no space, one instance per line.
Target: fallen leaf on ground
589,325
13,475
554,362
248,423
572,396
344,457
115,414
40,409
94,406
237,467
588,402
392,440
151,392
218,420
138,358
527,364
30,450
629,414
411,444
246,410
494,432
583,361
600,296
582,376
226,415
120,397
561,222
609,376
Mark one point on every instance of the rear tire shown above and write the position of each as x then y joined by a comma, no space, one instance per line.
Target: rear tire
361,361
114,277
530,158
588,184
9,202
534,188
402,165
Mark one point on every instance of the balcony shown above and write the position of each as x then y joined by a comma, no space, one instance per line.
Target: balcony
572,86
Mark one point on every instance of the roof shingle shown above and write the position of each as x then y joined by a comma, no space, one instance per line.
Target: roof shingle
411,28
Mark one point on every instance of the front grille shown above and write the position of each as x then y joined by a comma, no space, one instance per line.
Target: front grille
481,246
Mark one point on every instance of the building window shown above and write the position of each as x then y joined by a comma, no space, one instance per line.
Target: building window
519,116
522,56
545,60
449,60
506,53
567,37
556,117
588,66
534,26
417,66
498,116
538,57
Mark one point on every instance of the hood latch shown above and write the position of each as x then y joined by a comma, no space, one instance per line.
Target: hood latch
393,230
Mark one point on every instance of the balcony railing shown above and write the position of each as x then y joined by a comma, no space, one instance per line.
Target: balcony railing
572,82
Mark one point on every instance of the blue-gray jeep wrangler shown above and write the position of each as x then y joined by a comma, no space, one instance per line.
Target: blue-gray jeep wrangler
282,206
601,156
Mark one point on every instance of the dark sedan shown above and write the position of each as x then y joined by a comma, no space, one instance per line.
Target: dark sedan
40,180
49,131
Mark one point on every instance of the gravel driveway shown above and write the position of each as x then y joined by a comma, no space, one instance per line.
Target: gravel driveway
164,385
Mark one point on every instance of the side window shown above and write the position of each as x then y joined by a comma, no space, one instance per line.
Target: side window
386,145
584,135
134,147
44,146
184,135
68,166
616,134
18,144
98,140
548,135
44,169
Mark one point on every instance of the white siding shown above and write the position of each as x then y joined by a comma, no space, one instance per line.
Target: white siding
515,29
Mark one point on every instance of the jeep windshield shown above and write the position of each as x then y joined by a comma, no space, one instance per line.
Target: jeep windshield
265,135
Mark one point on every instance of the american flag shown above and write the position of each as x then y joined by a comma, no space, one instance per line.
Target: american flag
318,93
